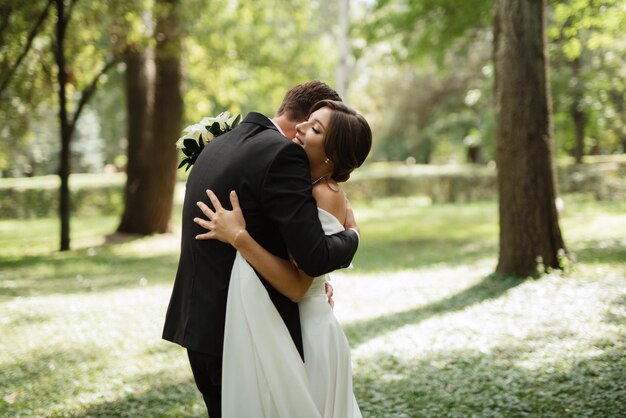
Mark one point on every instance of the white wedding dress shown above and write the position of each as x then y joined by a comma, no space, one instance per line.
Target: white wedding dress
262,373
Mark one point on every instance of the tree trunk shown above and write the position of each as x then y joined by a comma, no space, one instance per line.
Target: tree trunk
529,228
152,173
66,132
168,111
580,120
617,98
139,100
577,112
474,154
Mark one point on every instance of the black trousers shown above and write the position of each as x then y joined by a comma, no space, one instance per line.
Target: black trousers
207,372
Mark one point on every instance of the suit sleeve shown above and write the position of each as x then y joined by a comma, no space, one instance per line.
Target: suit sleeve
287,200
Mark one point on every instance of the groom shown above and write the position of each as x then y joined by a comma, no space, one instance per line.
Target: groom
272,178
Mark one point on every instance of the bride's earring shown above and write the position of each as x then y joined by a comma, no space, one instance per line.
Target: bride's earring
326,161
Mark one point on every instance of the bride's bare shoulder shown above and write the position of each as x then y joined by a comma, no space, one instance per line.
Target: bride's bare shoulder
331,198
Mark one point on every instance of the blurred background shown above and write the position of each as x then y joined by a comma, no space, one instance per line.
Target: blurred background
421,72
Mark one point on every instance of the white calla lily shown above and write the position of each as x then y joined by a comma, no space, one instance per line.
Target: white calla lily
222,119
200,132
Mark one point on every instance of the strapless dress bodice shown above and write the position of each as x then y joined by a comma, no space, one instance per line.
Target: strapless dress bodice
331,225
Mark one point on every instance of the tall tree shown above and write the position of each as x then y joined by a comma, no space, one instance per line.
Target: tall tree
529,227
138,110
67,120
49,59
155,111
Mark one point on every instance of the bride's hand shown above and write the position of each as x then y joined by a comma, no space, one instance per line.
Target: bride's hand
224,225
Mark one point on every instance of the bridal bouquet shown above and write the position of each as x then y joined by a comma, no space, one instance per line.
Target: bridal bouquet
196,135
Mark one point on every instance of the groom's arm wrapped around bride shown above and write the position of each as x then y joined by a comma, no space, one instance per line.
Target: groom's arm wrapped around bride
229,226
288,201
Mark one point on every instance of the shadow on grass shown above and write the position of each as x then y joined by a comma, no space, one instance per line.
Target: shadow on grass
172,399
40,384
505,382
25,319
472,384
601,251
617,314
80,271
490,287
42,379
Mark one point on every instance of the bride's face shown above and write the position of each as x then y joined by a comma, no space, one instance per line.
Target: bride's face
310,135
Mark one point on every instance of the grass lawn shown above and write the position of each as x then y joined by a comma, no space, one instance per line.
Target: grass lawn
433,333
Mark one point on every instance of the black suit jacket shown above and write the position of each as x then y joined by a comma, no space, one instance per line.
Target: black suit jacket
272,178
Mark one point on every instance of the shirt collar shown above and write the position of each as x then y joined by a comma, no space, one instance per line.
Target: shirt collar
278,127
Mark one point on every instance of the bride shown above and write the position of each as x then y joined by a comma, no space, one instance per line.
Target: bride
263,374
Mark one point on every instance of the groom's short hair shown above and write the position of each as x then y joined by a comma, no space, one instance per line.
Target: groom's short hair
299,100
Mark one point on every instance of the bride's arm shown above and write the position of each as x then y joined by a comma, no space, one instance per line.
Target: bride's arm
230,227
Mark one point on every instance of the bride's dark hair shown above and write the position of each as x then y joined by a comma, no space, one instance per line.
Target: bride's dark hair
348,138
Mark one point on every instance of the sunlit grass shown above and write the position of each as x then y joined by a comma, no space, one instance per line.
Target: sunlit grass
433,333
81,353
495,347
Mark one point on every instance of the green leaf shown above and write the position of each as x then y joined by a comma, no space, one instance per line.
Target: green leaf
215,129
191,144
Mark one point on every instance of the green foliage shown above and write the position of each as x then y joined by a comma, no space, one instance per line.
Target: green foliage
426,28
421,71
440,79
29,87
239,56
415,120
28,110
587,45
244,55
428,113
